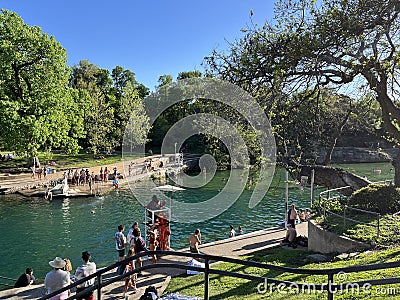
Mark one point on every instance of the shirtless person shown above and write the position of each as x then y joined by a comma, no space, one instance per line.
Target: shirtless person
291,235
195,241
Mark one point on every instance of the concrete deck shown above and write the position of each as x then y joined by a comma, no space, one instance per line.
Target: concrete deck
234,247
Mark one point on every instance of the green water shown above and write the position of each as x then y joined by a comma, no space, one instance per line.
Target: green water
34,231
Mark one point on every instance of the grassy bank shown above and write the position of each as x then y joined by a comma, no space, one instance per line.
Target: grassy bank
222,287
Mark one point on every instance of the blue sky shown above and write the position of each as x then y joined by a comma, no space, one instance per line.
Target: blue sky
150,38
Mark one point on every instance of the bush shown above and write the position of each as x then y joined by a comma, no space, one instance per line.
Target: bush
379,198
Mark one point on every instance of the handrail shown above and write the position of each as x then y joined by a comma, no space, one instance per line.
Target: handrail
7,278
207,270
323,201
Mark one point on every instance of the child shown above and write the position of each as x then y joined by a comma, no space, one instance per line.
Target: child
115,183
130,281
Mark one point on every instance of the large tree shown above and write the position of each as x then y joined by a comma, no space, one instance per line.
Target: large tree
94,86
351,44
37,107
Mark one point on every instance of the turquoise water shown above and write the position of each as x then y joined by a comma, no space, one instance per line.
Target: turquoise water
34,231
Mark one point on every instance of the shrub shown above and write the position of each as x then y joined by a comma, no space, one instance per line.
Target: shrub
379,198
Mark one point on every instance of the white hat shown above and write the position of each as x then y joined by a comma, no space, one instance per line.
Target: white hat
57,263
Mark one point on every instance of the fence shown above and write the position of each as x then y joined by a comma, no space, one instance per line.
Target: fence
324,208
8,279
330,287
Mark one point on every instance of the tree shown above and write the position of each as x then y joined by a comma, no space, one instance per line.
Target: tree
315,44
189,74
164,80
94,87
121,78
36,105
128,98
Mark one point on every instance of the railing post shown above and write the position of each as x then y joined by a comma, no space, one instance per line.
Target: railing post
378,229
206,278
330,283
344,216
99,282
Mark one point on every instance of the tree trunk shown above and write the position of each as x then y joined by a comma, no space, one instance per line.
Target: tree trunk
329,152
328,156
396,166
33,161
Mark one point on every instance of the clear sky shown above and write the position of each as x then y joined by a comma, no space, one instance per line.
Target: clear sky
150,38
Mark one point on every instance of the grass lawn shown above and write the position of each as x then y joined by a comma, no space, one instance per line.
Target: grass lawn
387,250
222,287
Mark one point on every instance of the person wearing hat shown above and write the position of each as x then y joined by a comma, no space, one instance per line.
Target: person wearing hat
84,270
57,279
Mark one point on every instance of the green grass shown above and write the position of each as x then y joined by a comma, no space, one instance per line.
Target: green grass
223,287
389,229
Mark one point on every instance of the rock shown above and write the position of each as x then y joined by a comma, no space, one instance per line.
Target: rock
317,258
342,256
353,254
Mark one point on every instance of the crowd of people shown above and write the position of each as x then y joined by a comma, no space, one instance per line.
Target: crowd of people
132,244
60,276
127,246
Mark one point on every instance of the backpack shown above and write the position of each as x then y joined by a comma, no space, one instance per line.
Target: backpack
140,245
121,269
149,294
302,241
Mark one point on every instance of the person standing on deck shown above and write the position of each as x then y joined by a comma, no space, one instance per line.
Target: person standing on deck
120,242
292,216
195,241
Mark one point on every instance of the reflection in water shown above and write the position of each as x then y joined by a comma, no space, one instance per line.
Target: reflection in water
66,217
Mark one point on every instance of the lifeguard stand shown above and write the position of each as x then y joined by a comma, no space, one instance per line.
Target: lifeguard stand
158,219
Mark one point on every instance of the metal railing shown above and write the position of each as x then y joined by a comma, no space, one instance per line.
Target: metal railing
324,203
329,286
9,279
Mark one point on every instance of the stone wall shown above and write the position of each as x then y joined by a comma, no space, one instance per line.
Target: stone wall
322,241
358,155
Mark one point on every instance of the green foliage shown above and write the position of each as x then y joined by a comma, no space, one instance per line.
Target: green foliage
164,80
110,105
312,46
379,198
35,102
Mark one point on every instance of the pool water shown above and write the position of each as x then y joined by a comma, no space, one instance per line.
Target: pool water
34,231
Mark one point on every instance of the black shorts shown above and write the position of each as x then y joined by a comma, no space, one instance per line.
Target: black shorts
194,250
121,253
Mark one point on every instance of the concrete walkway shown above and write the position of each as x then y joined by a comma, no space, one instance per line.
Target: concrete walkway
235,247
